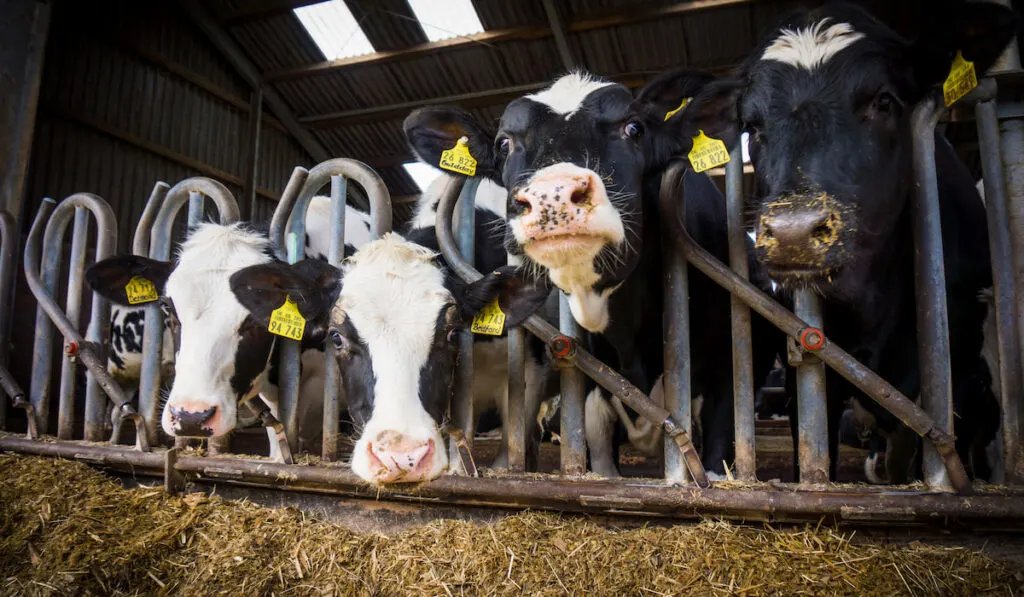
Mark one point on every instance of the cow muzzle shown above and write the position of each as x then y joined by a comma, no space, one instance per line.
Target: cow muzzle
193,420
800,236
395,458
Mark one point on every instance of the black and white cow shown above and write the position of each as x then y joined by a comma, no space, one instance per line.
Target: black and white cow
582,161
390,314
222,357
827,99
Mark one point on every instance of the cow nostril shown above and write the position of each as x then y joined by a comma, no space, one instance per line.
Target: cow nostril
524,204
581,195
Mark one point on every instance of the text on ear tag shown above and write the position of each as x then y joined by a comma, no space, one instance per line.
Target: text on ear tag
961,80
490,320
458,158
140,290
286,320
682,105
707,153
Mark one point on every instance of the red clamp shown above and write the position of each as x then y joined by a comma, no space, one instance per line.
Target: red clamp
561,346
72,348
812,338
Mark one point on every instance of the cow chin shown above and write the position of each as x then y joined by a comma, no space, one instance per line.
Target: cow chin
565,250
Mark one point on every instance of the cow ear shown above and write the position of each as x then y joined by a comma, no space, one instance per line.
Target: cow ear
312,284
517,297
715,111
435,129
980,31
664,97
110,276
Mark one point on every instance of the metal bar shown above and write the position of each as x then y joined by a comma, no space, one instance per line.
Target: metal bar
140,240
8,267
812,411
252,165
677,379
195,208
598,371
1004,285
558,30
332,373
279,222
838,359
73,309
742,351
573,392
516,424
462,406
160,249
930,285
782,502
290,368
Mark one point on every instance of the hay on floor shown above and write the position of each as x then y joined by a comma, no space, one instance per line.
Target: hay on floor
68,529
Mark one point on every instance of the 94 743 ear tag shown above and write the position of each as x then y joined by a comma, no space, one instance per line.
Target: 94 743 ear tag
458,159
286,321
707,153
490,320
140,290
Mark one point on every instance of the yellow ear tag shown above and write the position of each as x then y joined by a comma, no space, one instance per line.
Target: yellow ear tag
140,290
458,159
707,153
287,321
672,113
961,80
490,320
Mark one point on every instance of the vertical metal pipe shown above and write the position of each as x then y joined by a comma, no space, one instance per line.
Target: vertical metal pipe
291,353
742,368
462,409
677,379
812,403
144,228
930,286
516,424
39,391
573,388
8,265
332,374
1004,286
195,208
73,309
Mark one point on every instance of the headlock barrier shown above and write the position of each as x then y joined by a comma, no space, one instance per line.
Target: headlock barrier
684,492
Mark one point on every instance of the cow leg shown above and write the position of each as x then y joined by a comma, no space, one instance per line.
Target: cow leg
275,448
717,421
901,446
599,429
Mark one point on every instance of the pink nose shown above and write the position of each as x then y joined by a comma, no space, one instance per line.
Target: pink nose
395,458
559,203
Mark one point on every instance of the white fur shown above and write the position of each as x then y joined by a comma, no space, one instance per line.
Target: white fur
210,316
599,428
318,226
589,308
567,93
811,47
392,293
490,196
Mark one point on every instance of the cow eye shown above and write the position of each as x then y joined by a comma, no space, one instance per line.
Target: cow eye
632,129
503,146
885,103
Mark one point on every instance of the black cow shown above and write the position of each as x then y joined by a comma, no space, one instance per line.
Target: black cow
827,99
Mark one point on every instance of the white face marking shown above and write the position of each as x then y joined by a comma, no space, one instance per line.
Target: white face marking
210,317
318,226
813,46
392,293
490,196
567,93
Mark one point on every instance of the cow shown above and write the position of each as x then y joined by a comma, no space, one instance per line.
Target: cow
222,358
582,161
826,99
391,315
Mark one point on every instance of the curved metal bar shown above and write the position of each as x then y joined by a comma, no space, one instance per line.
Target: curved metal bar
284,210
140,240
160,249
598,371
868,381
89,350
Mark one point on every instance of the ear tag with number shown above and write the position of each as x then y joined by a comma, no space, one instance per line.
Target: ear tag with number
707,153
490,320
961,80
140,290
682,105
458,158
286,320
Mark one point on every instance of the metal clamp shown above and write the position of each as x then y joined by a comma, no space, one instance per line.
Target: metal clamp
465,452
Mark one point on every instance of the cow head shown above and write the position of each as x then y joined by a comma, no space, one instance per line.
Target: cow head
827,100
390,315
573,159
222,350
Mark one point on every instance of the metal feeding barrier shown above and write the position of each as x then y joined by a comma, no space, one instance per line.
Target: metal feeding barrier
288,233
685,490
8,266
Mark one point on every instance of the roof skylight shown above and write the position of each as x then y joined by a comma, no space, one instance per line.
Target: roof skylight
445,19
334,30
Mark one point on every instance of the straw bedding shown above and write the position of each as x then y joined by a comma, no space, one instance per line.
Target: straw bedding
67,529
